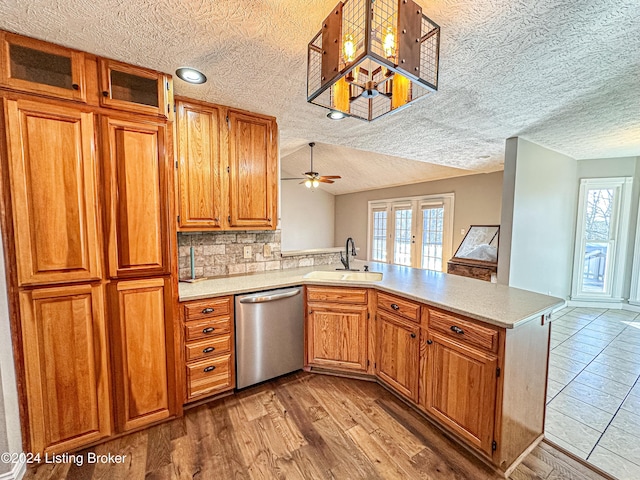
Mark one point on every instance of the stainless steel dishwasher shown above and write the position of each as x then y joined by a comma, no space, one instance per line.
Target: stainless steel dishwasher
269,335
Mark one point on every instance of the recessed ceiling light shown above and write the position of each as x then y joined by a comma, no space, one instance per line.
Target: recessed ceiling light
335,115
191,75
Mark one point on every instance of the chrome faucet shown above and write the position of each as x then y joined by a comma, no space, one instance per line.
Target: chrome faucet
345,260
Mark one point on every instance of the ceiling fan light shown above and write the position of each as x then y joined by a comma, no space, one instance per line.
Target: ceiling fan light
315,183
307,183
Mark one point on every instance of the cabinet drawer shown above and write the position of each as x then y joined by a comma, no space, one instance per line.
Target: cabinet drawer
207,328
207,308
338,295
403,308
463,330
210,376
207,348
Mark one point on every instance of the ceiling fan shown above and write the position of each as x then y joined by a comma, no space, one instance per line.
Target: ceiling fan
311,178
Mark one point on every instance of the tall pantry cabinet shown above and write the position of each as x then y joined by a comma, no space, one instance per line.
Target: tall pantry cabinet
87,199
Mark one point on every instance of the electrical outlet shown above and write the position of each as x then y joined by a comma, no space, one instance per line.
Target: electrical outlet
267,250
247,251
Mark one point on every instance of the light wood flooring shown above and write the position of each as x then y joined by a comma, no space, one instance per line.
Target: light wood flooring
302,426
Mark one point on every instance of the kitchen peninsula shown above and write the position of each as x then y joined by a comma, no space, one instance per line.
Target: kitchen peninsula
471,356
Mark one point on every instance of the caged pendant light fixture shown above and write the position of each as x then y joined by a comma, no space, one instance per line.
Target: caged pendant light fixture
373,57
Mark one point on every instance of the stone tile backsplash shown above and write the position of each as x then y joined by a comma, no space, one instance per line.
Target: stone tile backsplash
222,253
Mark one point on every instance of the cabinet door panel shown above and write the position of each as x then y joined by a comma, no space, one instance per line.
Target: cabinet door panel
137,211
199,166
43,68
337,336
66,366
253,175
142,355
461,390
52,171
134,89
397,361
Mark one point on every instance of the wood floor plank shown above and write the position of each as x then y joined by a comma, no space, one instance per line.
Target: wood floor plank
308,427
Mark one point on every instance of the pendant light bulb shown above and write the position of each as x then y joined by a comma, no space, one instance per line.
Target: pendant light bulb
349,48
315,183
307,183
389,43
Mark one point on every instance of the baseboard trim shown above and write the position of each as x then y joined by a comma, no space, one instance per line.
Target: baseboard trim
16,473
613,305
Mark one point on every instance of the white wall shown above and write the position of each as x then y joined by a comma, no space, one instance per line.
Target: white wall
307,217
537,234
10,436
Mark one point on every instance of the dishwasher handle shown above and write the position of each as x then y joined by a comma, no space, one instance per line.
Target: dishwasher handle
270,298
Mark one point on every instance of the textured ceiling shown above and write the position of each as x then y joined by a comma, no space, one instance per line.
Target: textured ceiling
561,73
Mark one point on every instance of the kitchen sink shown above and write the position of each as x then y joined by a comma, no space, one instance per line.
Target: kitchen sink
342,275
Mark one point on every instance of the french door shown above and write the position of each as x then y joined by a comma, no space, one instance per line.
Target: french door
415,232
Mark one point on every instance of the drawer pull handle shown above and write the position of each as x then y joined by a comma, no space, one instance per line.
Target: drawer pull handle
457,330
208,330
429,342
210,368
413,335
395,307
208,350
207,310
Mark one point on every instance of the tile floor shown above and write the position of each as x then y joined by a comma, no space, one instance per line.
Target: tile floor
593,395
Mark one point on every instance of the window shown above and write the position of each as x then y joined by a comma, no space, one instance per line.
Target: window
402,241
601,233
432,226
414,231
379,235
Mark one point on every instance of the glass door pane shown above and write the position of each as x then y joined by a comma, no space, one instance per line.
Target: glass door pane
402,238
379,248
597,235
432,227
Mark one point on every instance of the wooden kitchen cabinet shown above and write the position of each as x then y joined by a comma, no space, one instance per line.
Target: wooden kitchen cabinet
253,172
137,197
135,89
142,348
461,383
337,332
52,170
209,347
200,169
66,366
397,356
34,66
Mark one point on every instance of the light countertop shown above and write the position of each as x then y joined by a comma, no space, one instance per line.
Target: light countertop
488,302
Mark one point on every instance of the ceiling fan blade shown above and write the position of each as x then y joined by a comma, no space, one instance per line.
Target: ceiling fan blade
324,180
331,176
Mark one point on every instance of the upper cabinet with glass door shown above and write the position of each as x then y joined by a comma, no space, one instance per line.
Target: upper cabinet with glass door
135,89
43,68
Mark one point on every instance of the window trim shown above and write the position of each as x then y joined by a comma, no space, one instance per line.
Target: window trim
416,203
619,235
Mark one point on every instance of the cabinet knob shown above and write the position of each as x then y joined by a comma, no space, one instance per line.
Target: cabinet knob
269,219
457,330
395,307
75,86
207,310
413,335
429,342
210,368
105,94
208,350
208,330
217,220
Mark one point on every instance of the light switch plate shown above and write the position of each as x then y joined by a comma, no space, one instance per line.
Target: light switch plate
247,251
267,250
